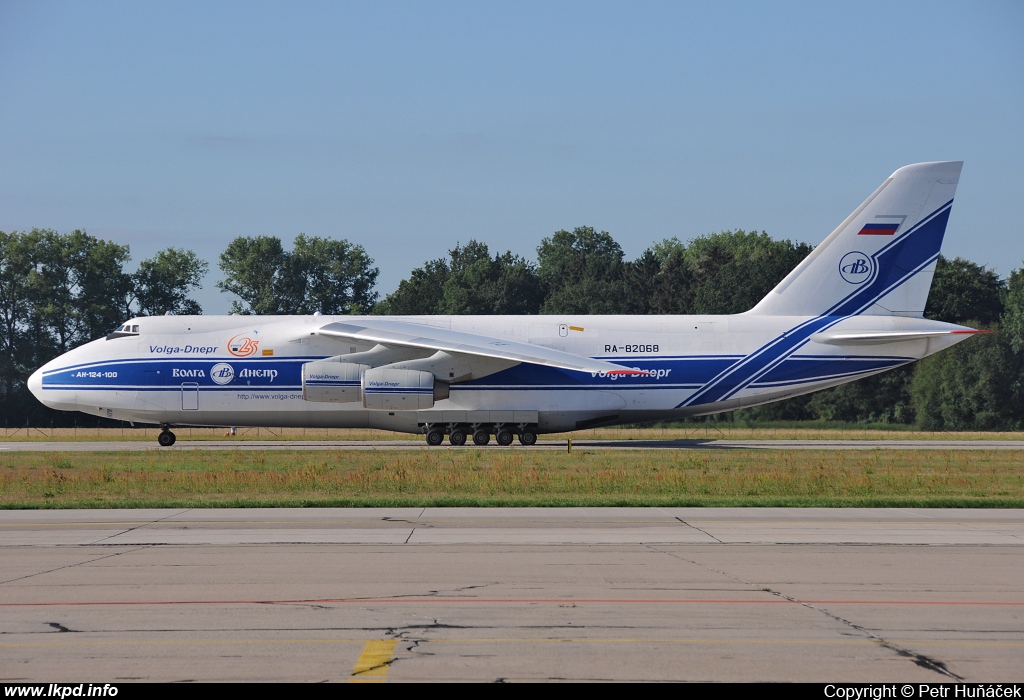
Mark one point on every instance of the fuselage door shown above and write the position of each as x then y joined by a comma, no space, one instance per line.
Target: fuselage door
189,396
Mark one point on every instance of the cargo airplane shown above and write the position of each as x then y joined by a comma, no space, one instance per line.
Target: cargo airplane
854,307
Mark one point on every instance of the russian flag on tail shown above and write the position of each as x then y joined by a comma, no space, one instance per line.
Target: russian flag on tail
878,229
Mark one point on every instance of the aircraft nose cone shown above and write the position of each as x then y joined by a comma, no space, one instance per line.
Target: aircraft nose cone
35,384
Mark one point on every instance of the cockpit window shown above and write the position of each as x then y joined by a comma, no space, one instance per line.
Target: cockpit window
128,329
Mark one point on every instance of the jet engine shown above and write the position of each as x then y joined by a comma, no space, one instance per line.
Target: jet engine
381,388
401,389
332,381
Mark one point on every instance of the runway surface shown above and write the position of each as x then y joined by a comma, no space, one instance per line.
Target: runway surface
895,595
135,445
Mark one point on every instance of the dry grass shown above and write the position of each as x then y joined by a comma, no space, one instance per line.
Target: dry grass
512,477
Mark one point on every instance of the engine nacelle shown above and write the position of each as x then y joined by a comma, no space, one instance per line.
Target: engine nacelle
401,389
334,382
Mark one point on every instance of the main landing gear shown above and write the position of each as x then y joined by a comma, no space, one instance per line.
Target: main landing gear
481,433
166,438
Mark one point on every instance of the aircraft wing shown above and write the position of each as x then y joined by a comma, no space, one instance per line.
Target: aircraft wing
413,335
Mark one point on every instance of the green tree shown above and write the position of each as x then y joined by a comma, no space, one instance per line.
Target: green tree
974,385
720,273
660,281
471,283
252,268
79,287
479,284
162,283
104,286
733,270
469,288
329,276
17,265
517,289
881,398
1013,315
581,272
965,291
319,274
56,291
421,293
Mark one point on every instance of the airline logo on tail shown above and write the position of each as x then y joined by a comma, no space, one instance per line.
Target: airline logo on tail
856,267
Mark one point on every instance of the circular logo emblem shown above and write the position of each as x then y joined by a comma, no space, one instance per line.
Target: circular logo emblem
242,345
856,268
222,373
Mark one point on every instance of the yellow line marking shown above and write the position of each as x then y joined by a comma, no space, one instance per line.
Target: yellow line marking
373,663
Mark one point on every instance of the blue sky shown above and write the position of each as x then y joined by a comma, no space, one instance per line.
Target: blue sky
409,127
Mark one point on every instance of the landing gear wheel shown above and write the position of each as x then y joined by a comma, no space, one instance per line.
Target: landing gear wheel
481,438
504,437
528,437
166,438
457,437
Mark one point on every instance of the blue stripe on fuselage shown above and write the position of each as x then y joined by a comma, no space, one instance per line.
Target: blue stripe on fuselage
679,373
142,374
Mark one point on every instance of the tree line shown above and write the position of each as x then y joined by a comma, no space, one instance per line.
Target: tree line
60,290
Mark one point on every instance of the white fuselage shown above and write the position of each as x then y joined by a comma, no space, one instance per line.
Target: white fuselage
247,370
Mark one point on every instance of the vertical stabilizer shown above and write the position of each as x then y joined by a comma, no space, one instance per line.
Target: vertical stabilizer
880,261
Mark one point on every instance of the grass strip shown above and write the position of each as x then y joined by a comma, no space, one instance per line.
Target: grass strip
514,477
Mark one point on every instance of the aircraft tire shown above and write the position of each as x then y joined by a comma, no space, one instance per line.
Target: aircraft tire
166,438
457,437
481,438
527,438
435,438
504,437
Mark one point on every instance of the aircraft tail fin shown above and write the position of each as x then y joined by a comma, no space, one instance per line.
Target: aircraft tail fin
881,259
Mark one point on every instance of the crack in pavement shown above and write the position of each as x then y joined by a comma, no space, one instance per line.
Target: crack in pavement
414,523
379,666
60,628
921,660
479,585
71,566
370,630
99,543
703,532
142,525
433,593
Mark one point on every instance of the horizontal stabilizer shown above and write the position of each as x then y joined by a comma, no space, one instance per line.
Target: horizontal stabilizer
414,335
879,337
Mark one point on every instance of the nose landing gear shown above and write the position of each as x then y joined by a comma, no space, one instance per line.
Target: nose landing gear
166,438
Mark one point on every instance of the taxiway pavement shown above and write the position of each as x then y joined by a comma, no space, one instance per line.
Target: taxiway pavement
410,594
